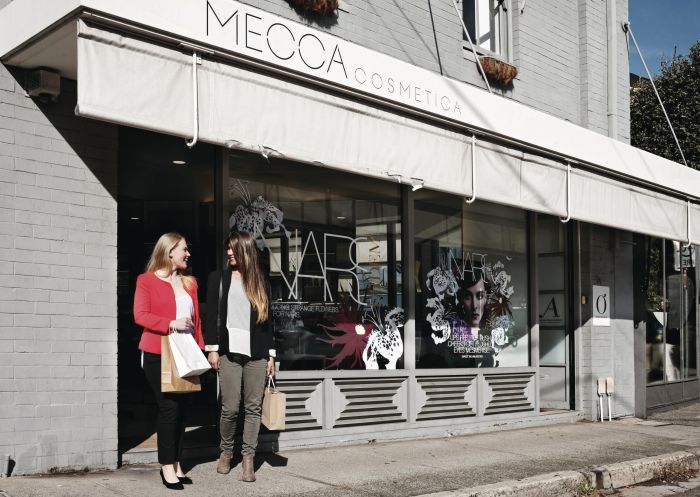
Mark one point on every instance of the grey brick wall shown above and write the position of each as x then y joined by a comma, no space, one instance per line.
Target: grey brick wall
606,260
58,301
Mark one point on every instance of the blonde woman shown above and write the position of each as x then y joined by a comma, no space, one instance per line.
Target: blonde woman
240,345
166,302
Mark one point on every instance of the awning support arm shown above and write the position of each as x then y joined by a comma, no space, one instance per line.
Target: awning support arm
568,194
628,28
690,238
473,197
195,101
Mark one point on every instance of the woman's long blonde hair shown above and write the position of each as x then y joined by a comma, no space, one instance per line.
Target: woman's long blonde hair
248,263
160,257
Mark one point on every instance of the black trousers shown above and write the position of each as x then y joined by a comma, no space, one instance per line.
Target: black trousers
172,409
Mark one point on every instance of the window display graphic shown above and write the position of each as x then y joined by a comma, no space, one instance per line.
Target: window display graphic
255,215
470,307
371,342
326,310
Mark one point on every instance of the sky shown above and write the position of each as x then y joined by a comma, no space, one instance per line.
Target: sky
659,26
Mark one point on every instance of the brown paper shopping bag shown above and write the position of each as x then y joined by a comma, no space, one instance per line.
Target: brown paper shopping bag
170,381
274,407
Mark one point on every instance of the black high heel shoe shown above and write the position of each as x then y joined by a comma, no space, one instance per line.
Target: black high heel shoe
185,480
171,486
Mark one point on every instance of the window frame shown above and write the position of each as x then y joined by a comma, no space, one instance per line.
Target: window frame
505,48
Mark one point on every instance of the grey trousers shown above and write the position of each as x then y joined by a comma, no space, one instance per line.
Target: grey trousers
235,370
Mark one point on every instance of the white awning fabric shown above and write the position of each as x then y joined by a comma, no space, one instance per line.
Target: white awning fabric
137,83
134,82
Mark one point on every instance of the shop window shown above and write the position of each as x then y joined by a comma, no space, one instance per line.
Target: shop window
471,283
552,295
486,22
667,289
331,245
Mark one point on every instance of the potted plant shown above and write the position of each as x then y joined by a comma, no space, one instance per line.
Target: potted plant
497,71
318,7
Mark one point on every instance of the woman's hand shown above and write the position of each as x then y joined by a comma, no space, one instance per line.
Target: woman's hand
214,360
270,368
182,324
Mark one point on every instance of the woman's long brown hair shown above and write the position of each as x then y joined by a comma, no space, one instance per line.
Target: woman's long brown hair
248,264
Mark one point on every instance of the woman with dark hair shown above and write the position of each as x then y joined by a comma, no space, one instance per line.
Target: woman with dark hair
240,345
166,302
472,297
472,309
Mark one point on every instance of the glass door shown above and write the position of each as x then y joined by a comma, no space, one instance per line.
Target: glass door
553,298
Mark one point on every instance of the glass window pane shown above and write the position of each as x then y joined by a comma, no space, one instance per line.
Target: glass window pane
471,293
552,346
672,335
688,268
651,292
551,266
331,245
482,19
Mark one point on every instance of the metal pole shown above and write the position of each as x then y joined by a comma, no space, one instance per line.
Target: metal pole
628,27
469,39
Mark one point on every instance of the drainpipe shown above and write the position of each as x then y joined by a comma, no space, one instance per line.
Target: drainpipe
612,68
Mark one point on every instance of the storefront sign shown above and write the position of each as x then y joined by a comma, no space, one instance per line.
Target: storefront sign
264,36
551,308
601,305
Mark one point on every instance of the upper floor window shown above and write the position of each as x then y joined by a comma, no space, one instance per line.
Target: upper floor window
486,23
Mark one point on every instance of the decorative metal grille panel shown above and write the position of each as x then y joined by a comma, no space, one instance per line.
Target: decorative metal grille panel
508,393
298,417
446,397
369,401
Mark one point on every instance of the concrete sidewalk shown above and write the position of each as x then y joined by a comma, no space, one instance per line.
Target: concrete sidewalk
551,460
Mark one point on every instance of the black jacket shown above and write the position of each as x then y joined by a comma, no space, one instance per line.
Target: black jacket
261,338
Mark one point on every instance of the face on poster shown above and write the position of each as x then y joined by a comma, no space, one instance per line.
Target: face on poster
469,306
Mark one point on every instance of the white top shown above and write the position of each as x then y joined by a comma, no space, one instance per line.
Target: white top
184,307
238,318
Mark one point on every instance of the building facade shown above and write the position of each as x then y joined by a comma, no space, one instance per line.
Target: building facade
442,259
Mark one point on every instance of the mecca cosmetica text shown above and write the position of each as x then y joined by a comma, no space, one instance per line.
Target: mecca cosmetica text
284,43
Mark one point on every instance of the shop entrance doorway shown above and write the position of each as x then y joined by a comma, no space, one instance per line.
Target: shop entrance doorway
553,304
163,187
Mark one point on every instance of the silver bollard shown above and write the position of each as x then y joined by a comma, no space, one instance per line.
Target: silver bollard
609,390
601,392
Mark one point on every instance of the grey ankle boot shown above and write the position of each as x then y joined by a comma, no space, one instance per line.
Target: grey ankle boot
224,464
248,468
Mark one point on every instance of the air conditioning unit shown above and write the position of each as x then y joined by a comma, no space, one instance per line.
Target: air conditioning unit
45,84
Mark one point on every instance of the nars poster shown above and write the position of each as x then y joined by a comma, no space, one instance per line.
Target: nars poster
475,311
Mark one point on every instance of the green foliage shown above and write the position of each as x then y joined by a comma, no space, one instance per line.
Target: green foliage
586,489
679,86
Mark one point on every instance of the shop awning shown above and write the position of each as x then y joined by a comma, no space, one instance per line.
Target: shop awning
128,78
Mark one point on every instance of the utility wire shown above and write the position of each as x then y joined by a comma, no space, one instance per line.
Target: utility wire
628,27
469,39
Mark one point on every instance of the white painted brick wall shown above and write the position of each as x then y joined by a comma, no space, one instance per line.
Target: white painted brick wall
58,302
607,351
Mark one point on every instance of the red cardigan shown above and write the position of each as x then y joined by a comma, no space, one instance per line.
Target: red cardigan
154,308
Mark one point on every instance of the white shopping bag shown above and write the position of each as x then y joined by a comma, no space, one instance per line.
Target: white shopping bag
189,359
